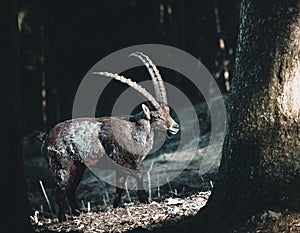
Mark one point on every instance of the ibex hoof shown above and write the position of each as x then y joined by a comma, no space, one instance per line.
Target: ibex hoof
62,217
117,204
76,212
143,196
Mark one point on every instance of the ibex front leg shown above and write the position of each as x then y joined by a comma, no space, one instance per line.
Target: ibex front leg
141,193
120,183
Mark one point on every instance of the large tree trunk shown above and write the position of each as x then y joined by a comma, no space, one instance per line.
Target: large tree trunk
260,164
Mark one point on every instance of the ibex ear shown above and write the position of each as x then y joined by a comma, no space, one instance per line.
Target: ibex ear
146,111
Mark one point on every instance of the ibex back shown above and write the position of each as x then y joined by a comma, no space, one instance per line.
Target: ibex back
72,145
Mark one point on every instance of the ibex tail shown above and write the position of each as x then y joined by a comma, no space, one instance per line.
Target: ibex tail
37,136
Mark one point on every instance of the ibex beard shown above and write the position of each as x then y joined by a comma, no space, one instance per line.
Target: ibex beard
119,143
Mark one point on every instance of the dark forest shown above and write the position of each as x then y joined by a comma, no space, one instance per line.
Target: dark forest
228,161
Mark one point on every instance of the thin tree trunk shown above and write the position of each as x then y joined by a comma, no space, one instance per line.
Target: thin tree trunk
13,192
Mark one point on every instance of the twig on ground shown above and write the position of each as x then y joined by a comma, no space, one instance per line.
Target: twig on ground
42,209
130,216
83,205
170,187
89,207
127,191
46,197
158,187
149,180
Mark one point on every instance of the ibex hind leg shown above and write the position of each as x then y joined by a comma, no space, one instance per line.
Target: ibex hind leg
68,179
61,201
71,191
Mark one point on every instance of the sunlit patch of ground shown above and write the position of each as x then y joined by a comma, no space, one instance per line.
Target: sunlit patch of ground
153,215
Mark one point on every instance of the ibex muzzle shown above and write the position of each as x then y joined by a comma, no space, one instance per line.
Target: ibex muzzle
163,121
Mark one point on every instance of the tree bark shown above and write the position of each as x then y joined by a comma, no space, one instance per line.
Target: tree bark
260,164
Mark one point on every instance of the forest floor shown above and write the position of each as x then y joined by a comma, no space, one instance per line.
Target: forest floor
133,215
177,199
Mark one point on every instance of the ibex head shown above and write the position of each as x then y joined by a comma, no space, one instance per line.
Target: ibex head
159,115
161,119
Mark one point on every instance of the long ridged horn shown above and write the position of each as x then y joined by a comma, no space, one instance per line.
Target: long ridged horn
158,83
132,84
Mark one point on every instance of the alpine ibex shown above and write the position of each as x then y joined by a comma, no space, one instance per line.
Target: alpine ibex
70,146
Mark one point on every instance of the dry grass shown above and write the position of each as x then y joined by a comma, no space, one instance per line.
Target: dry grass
153,215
